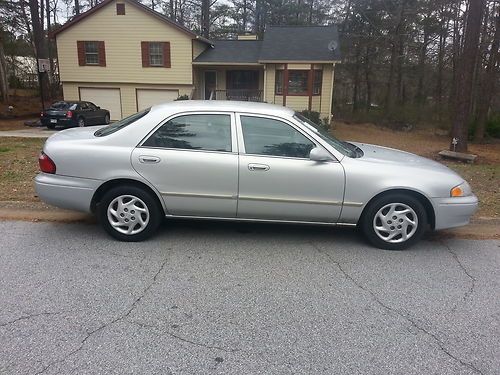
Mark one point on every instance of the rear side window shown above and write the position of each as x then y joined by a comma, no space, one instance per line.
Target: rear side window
64,106
194,132
121,124
264,136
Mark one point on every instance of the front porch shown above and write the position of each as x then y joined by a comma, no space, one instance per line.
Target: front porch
236,82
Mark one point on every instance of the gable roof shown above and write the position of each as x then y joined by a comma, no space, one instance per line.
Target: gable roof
280,44
160,16
232,52
300,43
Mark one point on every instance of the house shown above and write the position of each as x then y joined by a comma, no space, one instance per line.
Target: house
125,57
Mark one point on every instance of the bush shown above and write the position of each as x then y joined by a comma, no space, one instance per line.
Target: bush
492,128
183,97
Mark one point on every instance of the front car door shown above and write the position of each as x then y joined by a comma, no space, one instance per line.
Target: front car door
278,181
192,160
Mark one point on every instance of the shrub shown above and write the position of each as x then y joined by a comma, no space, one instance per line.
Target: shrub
183,97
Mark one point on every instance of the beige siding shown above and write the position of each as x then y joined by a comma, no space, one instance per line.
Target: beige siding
320,103
198,48
122,36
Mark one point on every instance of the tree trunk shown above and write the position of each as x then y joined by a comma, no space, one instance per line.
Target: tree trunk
420,96
205,18
4,83
355,92
77,7
41,45
443,34
465,74
488,86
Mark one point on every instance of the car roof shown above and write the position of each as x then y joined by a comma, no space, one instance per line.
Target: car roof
224,105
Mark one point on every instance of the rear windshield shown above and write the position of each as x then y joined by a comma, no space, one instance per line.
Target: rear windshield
64,106
114,127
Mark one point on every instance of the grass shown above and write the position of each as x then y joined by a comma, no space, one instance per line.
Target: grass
19,162
18,167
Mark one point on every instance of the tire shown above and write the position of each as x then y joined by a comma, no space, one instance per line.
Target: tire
136,221
51,126
80,122
106,119
388,232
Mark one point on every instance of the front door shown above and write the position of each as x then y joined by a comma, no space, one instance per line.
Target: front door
210,84
277,179
192,161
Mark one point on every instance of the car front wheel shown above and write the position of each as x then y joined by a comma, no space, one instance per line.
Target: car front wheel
106,119
394,222
128,213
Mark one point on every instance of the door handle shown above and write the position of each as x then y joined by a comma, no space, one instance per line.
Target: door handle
258,167
149,159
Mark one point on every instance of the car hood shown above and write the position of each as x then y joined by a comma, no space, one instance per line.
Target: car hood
386,155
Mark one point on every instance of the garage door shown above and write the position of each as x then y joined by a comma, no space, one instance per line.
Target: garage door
147,98
105,98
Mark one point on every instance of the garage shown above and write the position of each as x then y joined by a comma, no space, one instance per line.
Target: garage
148,97
106,98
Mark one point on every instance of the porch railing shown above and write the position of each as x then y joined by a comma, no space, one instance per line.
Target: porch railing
237,94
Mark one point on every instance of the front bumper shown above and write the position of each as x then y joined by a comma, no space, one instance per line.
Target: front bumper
71,193
454,212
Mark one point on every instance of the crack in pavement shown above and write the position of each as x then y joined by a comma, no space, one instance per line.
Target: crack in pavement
25,317
399,313
472,279
117,319
183,339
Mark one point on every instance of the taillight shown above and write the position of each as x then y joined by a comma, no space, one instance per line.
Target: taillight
46,163
69,114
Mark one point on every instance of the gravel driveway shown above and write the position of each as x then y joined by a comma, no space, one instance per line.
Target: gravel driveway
203,298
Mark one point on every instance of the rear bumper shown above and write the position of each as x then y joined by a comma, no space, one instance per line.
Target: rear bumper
71,193
454,212
66,122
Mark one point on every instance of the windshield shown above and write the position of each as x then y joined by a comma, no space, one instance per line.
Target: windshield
345,148
63,106
121,124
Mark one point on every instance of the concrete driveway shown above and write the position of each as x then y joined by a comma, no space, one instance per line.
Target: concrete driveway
34,132
204,298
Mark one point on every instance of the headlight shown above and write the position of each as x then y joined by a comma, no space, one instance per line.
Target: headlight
462,190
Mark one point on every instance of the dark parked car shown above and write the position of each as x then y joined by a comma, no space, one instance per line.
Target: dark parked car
74,113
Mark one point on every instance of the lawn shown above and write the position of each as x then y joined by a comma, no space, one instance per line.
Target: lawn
18,166
18,162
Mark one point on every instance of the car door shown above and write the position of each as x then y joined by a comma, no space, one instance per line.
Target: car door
277,180
97,118
192,160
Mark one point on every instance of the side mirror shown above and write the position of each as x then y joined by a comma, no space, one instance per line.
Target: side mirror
98,107
320,154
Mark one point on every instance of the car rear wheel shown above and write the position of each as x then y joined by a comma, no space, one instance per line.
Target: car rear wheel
106,119
394,222
128,213
81,122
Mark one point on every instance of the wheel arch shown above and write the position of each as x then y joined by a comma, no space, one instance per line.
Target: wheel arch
101,190
429,209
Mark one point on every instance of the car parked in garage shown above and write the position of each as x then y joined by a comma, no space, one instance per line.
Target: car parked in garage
246,161
74,113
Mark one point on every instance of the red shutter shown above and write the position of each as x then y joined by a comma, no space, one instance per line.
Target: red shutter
145,54
80,46
166,54
102,54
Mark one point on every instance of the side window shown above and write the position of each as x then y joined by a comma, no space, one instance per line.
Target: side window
194,132
84,106
263,136
91,106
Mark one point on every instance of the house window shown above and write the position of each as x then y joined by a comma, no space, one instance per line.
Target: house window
318,79
279,82
92,53
298,82
156,54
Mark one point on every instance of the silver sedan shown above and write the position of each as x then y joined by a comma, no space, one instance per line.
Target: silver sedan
247,162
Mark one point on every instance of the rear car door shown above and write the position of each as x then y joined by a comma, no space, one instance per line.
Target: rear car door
277,180
192,160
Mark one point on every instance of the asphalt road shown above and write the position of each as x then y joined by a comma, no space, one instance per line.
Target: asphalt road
203,298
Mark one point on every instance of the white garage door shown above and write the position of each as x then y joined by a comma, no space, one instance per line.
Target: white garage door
147,98
105,98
